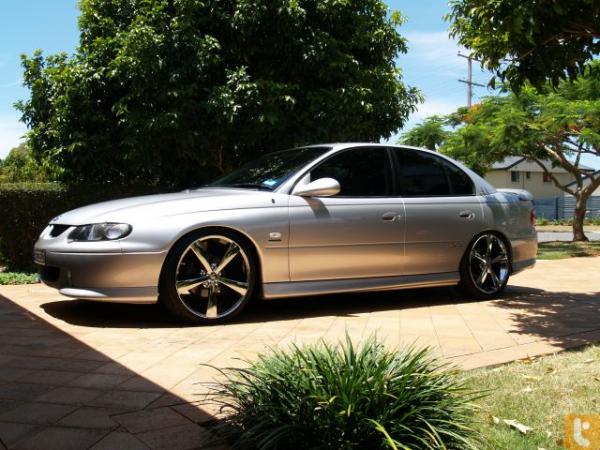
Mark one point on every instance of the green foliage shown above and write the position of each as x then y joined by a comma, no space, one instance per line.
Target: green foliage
342,396
19,166
558,125
18,278
178,92
28,207
431,133
526,40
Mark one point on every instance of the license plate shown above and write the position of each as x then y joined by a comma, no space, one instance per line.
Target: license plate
39,257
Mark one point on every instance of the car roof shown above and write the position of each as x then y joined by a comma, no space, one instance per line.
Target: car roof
345,145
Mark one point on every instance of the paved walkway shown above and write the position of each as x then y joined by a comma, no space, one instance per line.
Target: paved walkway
78,375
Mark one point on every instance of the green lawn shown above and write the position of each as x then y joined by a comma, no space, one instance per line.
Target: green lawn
18,278
561,250
538,394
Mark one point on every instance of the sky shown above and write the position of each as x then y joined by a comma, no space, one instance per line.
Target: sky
432,63
50,25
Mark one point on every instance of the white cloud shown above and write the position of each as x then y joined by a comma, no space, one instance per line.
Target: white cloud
11,133
434,107
429,108
436,49
433,44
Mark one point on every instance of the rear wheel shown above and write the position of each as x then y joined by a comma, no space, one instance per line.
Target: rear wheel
208,277
485,267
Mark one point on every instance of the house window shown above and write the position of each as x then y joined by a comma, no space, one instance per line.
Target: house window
528,175
515,177
547,178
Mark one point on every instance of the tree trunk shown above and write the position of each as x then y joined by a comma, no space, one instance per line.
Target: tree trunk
580,209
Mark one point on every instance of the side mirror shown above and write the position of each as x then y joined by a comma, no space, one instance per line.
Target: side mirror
323,187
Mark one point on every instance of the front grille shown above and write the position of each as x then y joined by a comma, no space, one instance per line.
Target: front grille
57,230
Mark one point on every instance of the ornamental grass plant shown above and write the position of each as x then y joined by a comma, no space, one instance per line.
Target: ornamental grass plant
345,396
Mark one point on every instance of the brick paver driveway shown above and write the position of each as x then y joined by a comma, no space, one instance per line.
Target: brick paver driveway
87,375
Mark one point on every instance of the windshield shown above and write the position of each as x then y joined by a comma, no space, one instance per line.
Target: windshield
269,171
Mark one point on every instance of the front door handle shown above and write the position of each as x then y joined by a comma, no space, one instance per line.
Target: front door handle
390,216
466,214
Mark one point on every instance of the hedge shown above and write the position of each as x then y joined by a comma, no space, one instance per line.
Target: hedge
26,209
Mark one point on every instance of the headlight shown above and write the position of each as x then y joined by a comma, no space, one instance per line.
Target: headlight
100,232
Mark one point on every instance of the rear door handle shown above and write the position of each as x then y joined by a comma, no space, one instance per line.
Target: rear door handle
466,214
390,216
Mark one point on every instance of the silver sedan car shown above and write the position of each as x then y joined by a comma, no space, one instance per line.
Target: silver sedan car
313,220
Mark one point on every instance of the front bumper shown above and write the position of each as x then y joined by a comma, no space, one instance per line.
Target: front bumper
116,277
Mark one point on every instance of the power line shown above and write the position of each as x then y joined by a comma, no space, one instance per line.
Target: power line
469,81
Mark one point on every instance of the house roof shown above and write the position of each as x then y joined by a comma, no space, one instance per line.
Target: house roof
511,161
587,180
507,163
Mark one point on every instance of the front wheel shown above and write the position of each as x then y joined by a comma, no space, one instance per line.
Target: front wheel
485,267
207,278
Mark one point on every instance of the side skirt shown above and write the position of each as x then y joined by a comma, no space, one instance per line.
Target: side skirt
304,288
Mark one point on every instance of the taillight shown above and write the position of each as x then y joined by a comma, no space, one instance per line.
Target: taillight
532,217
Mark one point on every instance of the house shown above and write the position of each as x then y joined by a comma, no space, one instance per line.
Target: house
518,172
596,192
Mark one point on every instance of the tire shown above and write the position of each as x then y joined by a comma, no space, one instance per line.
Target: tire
485,267
208,277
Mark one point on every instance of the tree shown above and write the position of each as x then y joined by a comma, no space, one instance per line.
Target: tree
531,41
19,165
431,133
560,125
179,91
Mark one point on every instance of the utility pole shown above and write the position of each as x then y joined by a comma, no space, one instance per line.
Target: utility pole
469,81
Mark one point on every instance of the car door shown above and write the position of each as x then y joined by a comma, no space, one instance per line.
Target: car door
442,211
357,233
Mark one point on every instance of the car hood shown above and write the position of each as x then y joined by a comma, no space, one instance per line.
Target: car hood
145,207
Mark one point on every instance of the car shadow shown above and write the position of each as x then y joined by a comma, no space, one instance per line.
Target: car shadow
119,315
110,315
549,315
